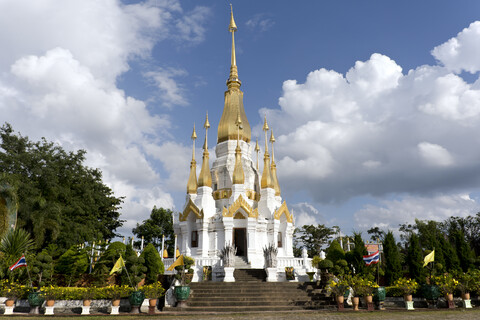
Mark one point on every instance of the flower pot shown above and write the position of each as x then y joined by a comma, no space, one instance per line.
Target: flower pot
115,302
356,301
152,302
182,292
379,294
340,299
35,300
368,299
9,302
466,296
50,303
408,297
430,292
87,303
449,296
136,299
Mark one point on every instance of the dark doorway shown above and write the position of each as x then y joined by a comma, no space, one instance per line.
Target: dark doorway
240,241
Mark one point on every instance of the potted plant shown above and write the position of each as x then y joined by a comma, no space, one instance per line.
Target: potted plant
35,300
325,265
11,291
339,287
290,273
50,294
87,294
467,282
182,291
310,275
447,285
363,287
152,292
407,287
116,293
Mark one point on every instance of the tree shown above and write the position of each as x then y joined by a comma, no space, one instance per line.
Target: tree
462,248
376,233
393,265
153,263
452,263
159,224
335,252
414,259
355,257
60,199
314,237
135,266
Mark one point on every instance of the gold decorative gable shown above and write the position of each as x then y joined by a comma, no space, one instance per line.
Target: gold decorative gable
191,207
239,215
240,203
283,210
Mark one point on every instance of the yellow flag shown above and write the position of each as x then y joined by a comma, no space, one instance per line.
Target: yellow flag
177,262
118,265
429,258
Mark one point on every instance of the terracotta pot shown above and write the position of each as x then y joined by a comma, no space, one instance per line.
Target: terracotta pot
50,303
368,299
116,302
9,302
356,301
152,302
449,297
340,299
87,303
408,297
466,296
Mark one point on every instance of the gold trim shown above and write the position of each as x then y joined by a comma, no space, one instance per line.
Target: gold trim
240,203
191,207
283,210
222,194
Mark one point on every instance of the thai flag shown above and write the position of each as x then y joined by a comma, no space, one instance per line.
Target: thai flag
372,258
22,262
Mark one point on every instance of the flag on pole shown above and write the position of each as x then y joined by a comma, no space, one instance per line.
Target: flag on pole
22,262
118,265
372,258
429,258
177,262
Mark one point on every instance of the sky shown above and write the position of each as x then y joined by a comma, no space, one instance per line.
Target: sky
375,105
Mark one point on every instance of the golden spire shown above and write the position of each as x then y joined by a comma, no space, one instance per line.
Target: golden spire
205,177
267,174
273,167
233,99
192,180
238,174
257,149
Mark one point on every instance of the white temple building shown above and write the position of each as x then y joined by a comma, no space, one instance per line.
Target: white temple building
233,202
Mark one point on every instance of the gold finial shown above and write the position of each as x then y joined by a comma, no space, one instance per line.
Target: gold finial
232,27
265,128
267,174
205,177
192,179
194,134
257,149
273,167
207,124
238,174
272,140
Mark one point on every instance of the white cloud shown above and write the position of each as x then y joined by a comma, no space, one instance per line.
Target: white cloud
306,214
390,213
461,52
172,92
191,25
260,22
435,155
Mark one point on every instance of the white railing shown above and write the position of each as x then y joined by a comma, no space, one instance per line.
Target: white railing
200,262
283,262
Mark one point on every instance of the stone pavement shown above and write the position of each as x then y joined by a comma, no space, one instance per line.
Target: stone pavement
457,314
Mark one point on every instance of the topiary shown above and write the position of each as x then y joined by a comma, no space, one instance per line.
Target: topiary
153,263
325,264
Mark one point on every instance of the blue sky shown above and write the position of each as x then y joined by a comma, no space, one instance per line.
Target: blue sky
374,104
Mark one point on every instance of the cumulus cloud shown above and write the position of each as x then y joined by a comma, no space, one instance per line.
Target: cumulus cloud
306,214
260,22
58,80
389,214
378,131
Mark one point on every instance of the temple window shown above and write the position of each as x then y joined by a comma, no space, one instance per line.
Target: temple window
279,240
194,239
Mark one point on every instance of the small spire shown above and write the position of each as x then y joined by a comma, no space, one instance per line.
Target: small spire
273,167
267,174
205,177
233,80
257,149
238,174
192,179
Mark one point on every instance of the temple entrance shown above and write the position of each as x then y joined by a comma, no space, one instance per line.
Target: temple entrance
240,241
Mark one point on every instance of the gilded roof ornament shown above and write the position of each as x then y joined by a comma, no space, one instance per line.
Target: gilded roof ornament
205,177
238,174
267,181
273,167
257,149
192,179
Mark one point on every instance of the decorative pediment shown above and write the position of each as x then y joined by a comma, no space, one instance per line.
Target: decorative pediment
240,203
191,208
283,210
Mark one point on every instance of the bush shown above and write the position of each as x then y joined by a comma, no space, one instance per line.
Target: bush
153,263
325,264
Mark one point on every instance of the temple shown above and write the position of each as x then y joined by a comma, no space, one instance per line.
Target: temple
233,202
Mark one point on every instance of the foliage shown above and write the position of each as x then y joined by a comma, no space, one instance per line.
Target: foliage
362,286
462,248
340,286
135,266
406,286
414,259
325,264
159,224
355,257
185,271
8,203
15,243
115,292
393,266
335,252
376,233
106,262
315,261
153,263
468,281
53,293
446,283
313,237
340,267
289,273
13,290
153,290
43,267
60,199
73,263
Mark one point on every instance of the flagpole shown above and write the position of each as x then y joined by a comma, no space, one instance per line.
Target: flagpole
28,272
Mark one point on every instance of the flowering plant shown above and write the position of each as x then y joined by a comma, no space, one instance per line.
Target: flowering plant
407,286
362,287
53,293
12,290
339,286
116,292
153,291
446,282
468,281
